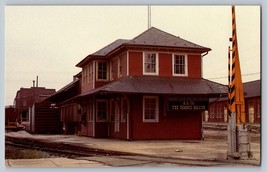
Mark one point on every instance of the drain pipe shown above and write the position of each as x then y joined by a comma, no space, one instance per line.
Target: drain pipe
202,62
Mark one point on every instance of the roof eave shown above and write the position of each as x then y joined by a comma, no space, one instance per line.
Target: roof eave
173,48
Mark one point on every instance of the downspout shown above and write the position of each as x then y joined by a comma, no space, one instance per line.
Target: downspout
202,63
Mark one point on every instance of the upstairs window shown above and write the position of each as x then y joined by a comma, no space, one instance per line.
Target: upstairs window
84,75
180,65
150,63
91,72
119,67
102,71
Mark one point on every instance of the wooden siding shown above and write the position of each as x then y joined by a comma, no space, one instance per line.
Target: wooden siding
135,63
165,65
46,119
70,113
194,66
175,125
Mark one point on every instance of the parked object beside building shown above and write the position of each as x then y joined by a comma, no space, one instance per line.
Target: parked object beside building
11,119
44,118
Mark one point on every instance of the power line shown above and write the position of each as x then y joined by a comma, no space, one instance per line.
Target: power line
227,76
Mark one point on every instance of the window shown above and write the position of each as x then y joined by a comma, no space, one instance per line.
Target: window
91,72
124,109
111,70
119,67
225,115
219,111
84,75
212,111
150,109
150,63
180,65
251,113
102,71
101,111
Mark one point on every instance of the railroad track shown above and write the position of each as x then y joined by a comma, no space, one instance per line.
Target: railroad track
111,158
61,149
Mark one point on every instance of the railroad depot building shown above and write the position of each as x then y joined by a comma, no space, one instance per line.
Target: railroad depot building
149,87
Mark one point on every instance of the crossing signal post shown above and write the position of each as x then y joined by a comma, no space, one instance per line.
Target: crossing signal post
238,138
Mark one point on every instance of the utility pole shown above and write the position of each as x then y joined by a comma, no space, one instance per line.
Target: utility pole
149,16
238,138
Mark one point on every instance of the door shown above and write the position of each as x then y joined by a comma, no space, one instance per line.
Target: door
117,118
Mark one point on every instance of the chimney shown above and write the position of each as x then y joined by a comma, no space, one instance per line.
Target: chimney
33,82
37,81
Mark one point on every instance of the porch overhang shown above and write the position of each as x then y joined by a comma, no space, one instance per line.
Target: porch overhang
151,85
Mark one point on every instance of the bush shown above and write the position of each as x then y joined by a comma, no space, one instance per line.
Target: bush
17,153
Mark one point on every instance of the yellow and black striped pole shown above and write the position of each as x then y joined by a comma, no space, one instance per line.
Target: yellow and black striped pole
236,75
236,93
238,145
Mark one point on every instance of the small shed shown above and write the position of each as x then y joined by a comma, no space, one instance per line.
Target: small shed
44,118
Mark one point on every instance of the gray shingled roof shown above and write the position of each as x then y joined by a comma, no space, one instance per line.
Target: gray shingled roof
107,49
252,88
151,37
156,37
158,85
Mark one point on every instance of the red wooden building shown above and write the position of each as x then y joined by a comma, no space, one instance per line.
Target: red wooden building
70,111
26,97
149,87
218,107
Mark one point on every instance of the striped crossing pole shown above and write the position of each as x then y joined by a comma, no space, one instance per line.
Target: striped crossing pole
238,145
237,93
231,86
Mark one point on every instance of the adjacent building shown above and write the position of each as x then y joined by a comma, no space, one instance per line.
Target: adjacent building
26,98
218,107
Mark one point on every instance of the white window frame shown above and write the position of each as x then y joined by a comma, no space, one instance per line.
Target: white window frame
104,120
157,63
111,69
90,72
106,74
84,75
173,63
119,67
157,109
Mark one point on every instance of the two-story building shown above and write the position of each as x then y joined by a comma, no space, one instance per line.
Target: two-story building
26,98
149,87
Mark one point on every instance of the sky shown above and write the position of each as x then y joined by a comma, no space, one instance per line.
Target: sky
48,41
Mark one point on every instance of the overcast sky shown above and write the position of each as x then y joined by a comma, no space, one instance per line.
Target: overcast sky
49,41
